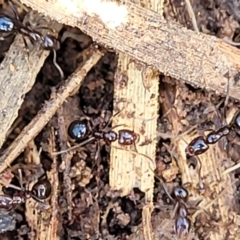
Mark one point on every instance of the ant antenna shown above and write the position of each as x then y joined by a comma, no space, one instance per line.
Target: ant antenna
56,64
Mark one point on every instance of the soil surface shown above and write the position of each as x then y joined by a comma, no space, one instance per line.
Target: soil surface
86,206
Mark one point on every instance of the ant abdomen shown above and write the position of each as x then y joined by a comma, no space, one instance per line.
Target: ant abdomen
182,226
197,146
127,137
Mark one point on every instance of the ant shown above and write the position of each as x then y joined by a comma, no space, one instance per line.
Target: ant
84,131
40,191
182,221
200,144
14,25
81,129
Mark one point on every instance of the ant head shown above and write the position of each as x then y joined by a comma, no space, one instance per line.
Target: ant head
197,146
41,190
224,130
79,129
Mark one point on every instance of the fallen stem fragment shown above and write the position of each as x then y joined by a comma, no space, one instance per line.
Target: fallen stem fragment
48,110
161,43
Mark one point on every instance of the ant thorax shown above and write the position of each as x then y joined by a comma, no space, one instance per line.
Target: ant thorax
110,136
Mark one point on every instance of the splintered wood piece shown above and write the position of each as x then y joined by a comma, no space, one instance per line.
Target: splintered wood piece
49,109
136,93
18,73
196,58
52,230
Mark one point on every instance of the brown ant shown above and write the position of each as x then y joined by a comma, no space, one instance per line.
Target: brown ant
40,191
200,144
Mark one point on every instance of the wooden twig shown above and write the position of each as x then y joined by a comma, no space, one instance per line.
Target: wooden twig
196,58
51,233
138,85
66,160
192,15
48,110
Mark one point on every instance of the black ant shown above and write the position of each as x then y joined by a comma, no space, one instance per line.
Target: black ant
200,144
40,191
81,129
84,131
182,221
14,25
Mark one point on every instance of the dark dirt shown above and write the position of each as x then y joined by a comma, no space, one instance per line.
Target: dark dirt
97,212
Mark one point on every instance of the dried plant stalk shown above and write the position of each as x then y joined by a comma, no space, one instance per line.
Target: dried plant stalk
18,73
48,110
137,86
196,58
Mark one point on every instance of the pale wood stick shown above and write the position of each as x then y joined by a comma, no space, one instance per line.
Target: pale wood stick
48,110
196,58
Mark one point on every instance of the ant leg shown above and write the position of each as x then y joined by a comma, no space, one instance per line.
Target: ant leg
97,154
141,154
26,44
74,147
43,27
164,187
14,187
200,183
98,160
226,100
14,10
20,178
4,37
